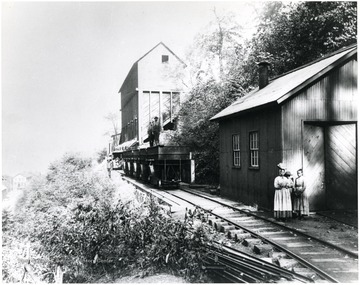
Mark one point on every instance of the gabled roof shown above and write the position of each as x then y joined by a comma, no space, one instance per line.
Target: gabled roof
160,43
288,84
136,62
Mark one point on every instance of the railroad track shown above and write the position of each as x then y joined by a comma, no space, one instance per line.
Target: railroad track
313,258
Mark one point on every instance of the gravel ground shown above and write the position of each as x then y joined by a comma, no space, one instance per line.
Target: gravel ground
324,227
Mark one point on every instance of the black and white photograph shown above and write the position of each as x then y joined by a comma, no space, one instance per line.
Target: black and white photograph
179,142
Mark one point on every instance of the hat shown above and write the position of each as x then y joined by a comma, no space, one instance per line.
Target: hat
281,165
288,173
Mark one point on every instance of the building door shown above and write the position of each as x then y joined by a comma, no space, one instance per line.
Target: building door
314,166
341,167
330,165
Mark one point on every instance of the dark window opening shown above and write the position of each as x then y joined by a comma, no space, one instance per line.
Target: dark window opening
164,58
236,150
254,149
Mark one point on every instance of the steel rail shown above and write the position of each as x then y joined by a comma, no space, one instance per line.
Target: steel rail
305,263
255,272
258,272
302,261
254,260
344,250
230,277
240,272
259,269
219,248
249,264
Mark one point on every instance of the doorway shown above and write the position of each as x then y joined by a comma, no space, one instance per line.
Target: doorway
330,165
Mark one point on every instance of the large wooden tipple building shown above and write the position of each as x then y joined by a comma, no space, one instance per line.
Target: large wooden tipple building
150,98
150,90
306,118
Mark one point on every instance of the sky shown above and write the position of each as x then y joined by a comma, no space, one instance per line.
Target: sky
62,65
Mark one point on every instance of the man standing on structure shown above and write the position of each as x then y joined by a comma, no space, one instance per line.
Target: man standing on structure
150,131
156,130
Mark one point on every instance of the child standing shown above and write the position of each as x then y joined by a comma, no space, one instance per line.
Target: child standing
301,199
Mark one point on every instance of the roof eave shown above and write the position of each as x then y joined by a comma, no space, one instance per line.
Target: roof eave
316,76
242,112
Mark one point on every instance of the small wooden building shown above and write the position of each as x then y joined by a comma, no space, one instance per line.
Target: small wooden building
306,118
151,89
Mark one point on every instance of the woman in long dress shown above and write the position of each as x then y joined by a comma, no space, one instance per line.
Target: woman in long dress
301,199
282,198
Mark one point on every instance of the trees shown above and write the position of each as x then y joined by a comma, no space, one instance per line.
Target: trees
196,130
64,214
113,118
292,34
211,88
224,66
216,47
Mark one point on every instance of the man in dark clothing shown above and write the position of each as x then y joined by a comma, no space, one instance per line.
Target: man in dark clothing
156,130
150,137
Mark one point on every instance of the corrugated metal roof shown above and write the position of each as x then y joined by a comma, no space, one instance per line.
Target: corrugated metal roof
287,85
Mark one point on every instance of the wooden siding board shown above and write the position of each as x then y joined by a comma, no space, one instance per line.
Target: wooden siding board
128,113
253,186
129,101
318,103
341,168
314,166
129,86
343,132
331,100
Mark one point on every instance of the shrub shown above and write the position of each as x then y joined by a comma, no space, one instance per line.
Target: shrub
72,219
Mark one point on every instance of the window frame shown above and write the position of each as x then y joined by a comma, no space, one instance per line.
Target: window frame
254,150
236,148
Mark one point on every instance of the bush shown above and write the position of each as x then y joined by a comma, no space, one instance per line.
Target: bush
72,219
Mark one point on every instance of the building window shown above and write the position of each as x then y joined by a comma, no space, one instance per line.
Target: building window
236,150
254,149
164,58
170,105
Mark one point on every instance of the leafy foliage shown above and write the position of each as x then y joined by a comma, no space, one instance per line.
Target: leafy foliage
72,219
198,132
292,34
215,49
